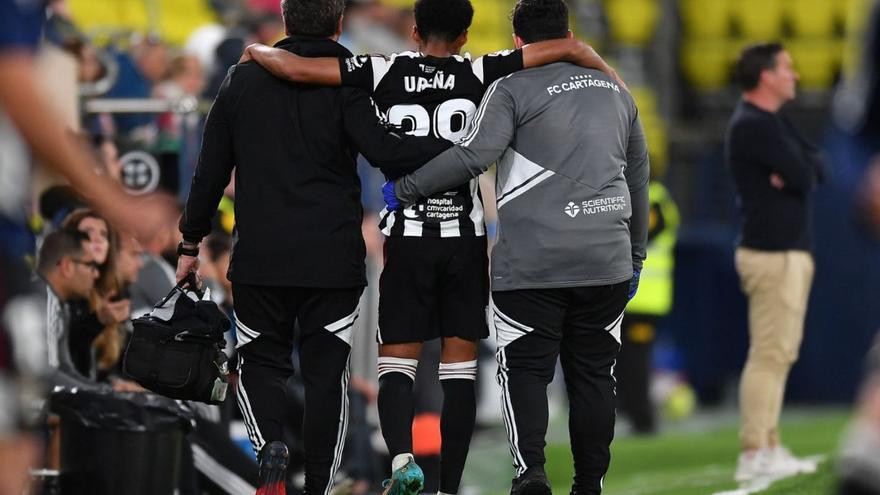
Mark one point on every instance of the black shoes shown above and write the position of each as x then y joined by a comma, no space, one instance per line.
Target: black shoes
273,469
532,482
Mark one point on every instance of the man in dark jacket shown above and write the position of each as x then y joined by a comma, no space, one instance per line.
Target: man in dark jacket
775,171
298,256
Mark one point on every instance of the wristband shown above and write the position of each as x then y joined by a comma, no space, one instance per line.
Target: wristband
187,251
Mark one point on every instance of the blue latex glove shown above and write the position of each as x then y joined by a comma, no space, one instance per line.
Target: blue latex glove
391,200
634,283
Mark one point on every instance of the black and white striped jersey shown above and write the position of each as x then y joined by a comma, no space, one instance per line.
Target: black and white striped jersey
430,96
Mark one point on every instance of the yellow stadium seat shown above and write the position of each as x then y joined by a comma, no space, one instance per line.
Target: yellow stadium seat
173,20
491,30
705,18
758,19
855,14
632,21
735,48
179,18
706,63
104,16
645,98
404,4
811,18
658,145
653,125
842,9
817,61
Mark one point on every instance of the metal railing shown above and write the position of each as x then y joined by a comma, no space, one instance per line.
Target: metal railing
188,104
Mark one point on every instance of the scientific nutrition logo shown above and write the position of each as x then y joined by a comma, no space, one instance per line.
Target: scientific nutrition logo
594,206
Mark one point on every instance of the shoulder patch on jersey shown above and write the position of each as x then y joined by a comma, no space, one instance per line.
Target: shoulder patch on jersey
499,53
354,63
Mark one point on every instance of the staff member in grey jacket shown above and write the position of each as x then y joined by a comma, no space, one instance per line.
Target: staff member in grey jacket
572,197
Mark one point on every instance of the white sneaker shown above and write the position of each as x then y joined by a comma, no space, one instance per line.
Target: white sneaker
783,463
751,465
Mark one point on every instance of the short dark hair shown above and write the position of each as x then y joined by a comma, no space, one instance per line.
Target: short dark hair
316,18
58,245
443,20
538,20
752,61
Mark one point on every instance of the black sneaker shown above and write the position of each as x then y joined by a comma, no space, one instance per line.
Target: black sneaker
273,469
532,482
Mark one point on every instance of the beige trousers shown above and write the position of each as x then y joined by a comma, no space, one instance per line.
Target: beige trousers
777,285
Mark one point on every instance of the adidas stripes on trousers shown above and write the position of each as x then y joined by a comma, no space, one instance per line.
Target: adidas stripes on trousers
581,327
265,319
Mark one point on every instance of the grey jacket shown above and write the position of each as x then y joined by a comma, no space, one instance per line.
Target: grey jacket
572,180
63,371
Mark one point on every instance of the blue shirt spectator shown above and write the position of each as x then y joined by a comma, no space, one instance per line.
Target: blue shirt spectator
143,66
21,22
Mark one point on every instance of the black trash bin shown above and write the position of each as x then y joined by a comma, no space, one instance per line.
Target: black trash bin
119,442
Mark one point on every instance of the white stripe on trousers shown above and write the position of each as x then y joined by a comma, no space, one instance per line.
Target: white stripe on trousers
343,427
244,334
244,405
246,329
507,413
230,482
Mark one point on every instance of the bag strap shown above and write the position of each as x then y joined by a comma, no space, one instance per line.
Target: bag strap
190,283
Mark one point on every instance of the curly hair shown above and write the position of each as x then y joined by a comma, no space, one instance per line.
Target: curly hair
443,20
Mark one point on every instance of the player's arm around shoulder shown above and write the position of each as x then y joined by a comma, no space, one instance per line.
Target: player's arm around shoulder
490,135
570,50
292,67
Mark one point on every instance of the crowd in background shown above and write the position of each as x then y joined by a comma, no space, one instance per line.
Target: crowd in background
125,275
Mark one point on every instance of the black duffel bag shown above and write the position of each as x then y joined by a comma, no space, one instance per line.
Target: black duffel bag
177,349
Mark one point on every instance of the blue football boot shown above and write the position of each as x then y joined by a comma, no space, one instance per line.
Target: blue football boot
405,480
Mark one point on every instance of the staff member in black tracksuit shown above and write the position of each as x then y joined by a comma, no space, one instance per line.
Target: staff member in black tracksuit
299,253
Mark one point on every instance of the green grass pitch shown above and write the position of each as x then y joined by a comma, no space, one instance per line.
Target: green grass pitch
698,461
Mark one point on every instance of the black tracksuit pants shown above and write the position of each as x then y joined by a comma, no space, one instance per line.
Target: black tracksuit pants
581,327
265,319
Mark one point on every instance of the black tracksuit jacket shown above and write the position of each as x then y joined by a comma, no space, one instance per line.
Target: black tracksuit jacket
297,193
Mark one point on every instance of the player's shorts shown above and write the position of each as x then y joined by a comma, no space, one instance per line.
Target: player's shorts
433,288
